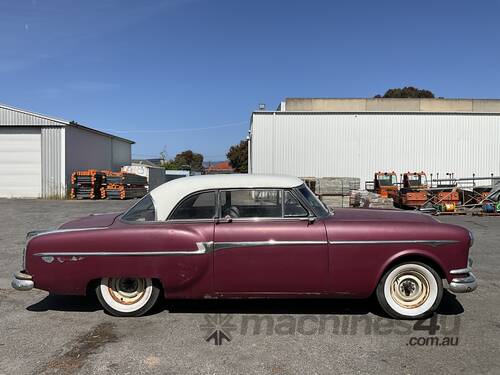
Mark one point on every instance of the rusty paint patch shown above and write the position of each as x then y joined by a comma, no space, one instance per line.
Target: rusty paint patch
84,346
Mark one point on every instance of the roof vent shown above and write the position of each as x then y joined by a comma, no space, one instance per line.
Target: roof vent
262,106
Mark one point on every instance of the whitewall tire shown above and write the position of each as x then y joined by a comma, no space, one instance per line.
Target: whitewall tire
127,296
411,290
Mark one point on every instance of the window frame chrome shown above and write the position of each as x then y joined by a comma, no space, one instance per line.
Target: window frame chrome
218,209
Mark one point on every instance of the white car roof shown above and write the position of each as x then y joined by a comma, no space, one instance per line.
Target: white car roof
166,196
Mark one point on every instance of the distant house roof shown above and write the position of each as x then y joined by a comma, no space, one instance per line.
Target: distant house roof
10,116
222,167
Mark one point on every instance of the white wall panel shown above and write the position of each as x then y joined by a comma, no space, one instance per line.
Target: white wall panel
339,144
20,157
53,177
122,154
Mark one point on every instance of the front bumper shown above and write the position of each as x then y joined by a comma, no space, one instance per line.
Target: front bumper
464,283
22,281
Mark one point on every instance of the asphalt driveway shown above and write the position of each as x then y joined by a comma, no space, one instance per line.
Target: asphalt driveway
54,334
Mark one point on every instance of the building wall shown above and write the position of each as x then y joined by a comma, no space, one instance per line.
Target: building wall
53,162
122,154
88,150
358,144
436,105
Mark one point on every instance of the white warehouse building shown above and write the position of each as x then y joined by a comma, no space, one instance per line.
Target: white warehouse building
358,137
38,153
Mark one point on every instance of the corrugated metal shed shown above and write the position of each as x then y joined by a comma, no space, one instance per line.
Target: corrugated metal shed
10,116
38,153
354,144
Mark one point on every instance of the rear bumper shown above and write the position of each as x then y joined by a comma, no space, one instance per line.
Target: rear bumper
22,281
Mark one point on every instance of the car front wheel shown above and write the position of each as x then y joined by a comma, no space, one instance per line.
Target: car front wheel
127,296
411,290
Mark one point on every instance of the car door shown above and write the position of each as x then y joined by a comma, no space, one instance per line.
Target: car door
263,247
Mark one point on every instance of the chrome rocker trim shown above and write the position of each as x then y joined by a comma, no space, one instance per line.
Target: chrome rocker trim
22,282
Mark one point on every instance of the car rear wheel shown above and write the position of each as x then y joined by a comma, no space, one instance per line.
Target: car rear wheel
127,296
411,290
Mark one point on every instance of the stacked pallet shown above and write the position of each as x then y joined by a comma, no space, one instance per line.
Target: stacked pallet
366,199
93,184
333,191
87,184
117,191
124,178
123,185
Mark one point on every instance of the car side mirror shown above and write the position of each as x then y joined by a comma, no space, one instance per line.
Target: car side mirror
311,219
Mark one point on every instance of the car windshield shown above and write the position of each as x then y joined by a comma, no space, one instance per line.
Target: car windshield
144,210
313,201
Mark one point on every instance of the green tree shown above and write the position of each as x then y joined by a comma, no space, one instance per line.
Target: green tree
238,157
187,160
406,92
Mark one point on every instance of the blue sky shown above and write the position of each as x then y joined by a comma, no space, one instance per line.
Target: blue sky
180,74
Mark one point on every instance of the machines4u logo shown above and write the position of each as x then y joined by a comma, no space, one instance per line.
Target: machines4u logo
217,328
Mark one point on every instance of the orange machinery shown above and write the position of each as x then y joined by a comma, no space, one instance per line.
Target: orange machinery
414,191
447,197
385,184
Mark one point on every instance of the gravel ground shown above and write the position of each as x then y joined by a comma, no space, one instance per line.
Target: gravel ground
42,334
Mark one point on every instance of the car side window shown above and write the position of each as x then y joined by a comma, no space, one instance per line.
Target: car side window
144,210
292,207
197,206
251,203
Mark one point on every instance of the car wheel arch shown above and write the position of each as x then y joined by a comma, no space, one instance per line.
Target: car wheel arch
411,256
92,284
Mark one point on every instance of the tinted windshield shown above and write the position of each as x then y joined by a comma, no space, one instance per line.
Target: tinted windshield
313,201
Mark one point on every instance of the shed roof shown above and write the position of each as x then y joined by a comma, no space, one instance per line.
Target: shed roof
11,116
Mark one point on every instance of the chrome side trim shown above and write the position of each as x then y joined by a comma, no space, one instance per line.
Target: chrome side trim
34,234
234,245
202,248
433,243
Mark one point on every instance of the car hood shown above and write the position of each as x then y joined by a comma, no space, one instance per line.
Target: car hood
92,221
373,214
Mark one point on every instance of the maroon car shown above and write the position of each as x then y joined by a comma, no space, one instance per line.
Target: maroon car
242,236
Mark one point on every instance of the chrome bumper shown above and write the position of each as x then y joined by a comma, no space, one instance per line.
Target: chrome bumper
466,283
463,284
22,281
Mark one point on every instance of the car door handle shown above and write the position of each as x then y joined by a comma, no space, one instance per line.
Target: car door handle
225,219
